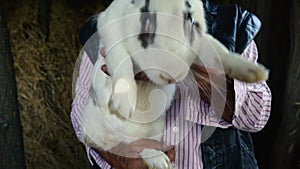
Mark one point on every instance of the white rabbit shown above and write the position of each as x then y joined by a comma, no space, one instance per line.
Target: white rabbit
162,38
104,128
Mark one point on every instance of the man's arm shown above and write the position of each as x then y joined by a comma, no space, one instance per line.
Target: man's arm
247,106
253,101
202,78
82,88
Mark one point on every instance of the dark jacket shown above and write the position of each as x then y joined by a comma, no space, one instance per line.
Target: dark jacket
235,28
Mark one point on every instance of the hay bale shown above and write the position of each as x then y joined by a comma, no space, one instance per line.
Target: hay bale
44,80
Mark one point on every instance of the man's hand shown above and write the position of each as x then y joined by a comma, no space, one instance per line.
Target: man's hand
202,77
126,156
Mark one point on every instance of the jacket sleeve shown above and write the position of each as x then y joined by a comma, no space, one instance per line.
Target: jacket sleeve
81,94
252,101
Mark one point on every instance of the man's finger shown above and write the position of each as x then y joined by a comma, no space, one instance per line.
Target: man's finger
102,52
104,69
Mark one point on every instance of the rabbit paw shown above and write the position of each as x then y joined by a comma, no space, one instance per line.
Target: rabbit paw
124,97
155,159
250,72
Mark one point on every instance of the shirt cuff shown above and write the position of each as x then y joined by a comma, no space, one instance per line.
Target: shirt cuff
253,106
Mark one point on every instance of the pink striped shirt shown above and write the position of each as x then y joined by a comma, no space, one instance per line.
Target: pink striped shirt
252,111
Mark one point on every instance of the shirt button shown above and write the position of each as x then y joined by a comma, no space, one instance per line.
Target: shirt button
175,129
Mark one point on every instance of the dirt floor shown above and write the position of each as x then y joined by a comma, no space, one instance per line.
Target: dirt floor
44,72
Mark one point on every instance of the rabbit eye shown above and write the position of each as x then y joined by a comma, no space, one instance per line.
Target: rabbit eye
188,15
190,18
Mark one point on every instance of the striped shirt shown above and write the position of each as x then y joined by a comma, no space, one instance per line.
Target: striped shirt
184,130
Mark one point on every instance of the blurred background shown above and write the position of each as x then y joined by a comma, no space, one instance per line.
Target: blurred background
44,45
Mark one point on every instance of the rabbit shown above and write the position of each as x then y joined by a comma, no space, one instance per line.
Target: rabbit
162,39
104,128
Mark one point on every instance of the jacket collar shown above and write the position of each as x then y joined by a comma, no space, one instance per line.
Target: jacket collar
225,22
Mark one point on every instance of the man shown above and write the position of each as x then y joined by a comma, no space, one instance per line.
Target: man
247,105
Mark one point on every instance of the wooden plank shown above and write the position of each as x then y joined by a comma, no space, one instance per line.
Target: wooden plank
11,139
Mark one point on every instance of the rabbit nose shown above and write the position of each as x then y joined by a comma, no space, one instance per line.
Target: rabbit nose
168,79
